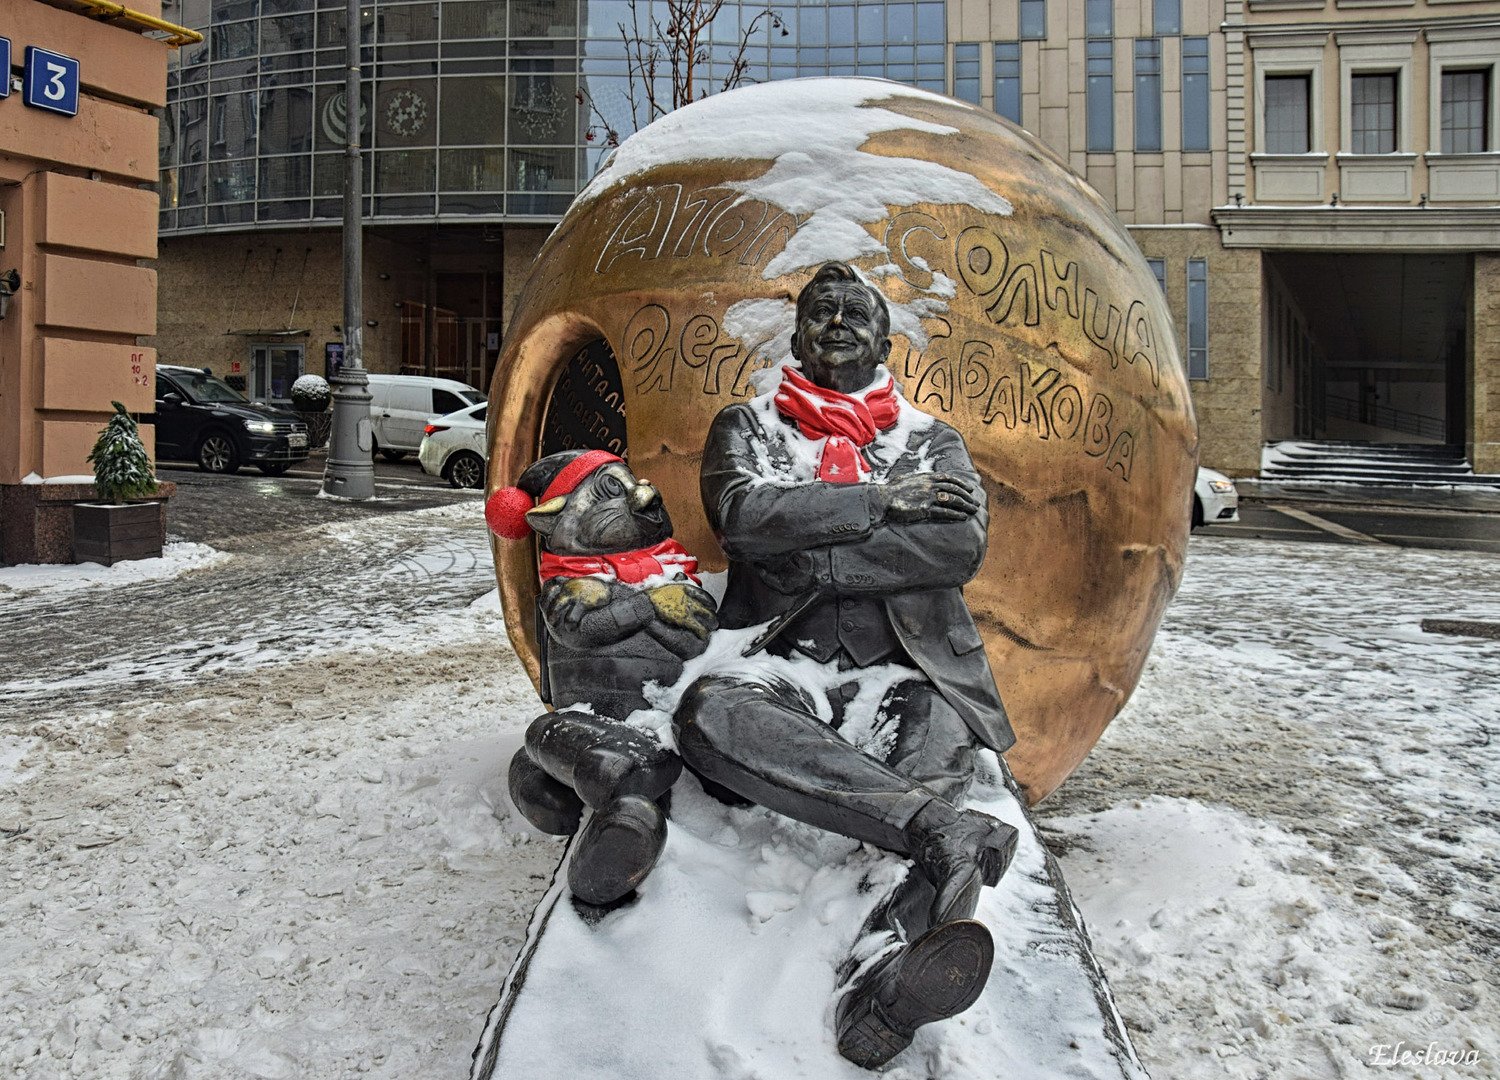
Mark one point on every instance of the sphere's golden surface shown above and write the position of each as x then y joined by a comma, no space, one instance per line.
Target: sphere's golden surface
1040,334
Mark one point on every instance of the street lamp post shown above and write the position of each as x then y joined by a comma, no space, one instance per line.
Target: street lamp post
350,473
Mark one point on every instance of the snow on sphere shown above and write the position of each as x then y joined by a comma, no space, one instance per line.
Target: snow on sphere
1023,314
311,393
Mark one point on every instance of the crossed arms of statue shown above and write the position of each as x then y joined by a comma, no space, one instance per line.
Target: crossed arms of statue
590,613
916,531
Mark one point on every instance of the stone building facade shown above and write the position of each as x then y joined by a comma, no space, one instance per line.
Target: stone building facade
77,160
1327,288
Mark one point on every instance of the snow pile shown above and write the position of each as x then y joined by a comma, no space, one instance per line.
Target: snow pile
1285,846
299,875
761,912
177,557
71,478
13,753
385,586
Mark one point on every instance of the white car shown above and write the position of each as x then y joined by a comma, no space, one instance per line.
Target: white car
453,446
1215,500
401,404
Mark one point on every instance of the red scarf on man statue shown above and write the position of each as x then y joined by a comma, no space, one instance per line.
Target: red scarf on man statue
847,421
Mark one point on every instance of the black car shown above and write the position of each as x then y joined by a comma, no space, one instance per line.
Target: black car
203,419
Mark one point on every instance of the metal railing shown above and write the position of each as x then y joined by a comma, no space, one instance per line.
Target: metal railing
1383,416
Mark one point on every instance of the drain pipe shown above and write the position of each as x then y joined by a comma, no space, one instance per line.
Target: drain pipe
177,36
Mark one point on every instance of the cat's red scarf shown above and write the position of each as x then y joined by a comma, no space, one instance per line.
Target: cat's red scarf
630,567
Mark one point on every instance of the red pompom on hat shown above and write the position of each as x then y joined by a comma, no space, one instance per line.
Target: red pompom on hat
506,513
506,509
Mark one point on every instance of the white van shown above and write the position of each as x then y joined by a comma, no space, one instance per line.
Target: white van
401,405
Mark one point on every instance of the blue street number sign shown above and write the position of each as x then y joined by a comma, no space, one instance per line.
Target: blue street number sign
51,81
5,66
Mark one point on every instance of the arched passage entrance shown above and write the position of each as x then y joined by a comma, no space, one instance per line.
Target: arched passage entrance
1367,347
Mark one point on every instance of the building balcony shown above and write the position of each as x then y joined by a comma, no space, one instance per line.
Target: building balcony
1463,177
1376,178
1290,178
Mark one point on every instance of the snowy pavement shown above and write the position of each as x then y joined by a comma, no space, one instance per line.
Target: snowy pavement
253,821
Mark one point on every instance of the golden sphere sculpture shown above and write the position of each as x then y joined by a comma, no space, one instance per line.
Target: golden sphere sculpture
1023,315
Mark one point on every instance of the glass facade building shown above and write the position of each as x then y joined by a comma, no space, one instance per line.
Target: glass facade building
473,110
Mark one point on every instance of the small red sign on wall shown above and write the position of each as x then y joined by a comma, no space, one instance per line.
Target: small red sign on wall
235,367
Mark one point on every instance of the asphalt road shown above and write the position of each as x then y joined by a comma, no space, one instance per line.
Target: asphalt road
247,511
1336,524
264,504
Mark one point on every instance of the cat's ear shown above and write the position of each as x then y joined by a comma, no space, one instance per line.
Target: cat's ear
543,519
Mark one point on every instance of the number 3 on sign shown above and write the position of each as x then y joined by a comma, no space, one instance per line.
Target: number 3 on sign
51,81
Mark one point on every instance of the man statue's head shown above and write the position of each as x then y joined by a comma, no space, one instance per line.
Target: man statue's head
843,329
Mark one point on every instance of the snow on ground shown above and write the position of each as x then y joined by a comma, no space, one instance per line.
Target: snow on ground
1286,846
297,862
177,557
400,583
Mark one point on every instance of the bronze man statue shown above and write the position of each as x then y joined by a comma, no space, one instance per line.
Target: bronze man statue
852,521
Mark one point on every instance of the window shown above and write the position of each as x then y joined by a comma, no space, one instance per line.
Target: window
1372,113
1197,318
1033,23
1166,17
966,71
1008,80
445,402
1287,117
900,24
1465,114
1195,97
1148,95
1100,95
1099,19
932,24
1159,268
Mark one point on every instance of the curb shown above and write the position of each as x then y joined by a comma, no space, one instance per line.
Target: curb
1366,499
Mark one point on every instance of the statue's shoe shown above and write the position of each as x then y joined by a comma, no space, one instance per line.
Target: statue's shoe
616,850
937,976
550,805
961,857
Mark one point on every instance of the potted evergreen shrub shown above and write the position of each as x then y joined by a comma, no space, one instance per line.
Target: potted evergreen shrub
126,523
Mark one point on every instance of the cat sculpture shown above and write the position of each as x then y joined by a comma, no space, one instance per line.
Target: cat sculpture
620,606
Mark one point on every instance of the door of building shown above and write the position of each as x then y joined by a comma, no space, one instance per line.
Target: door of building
273,369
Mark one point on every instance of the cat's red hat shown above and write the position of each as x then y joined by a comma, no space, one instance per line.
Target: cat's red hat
506,509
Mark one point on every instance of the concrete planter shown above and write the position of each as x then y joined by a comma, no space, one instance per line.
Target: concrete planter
107,534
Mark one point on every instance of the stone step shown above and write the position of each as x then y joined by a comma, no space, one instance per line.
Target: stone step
1334,476
1404,465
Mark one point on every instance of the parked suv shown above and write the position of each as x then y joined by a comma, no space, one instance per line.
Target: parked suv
203,419
401,405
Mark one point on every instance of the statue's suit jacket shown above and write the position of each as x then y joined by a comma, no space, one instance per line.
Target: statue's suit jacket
785,539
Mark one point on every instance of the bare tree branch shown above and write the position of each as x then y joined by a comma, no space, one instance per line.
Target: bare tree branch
681,50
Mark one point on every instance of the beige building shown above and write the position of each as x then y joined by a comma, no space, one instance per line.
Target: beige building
1315,182
77,227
